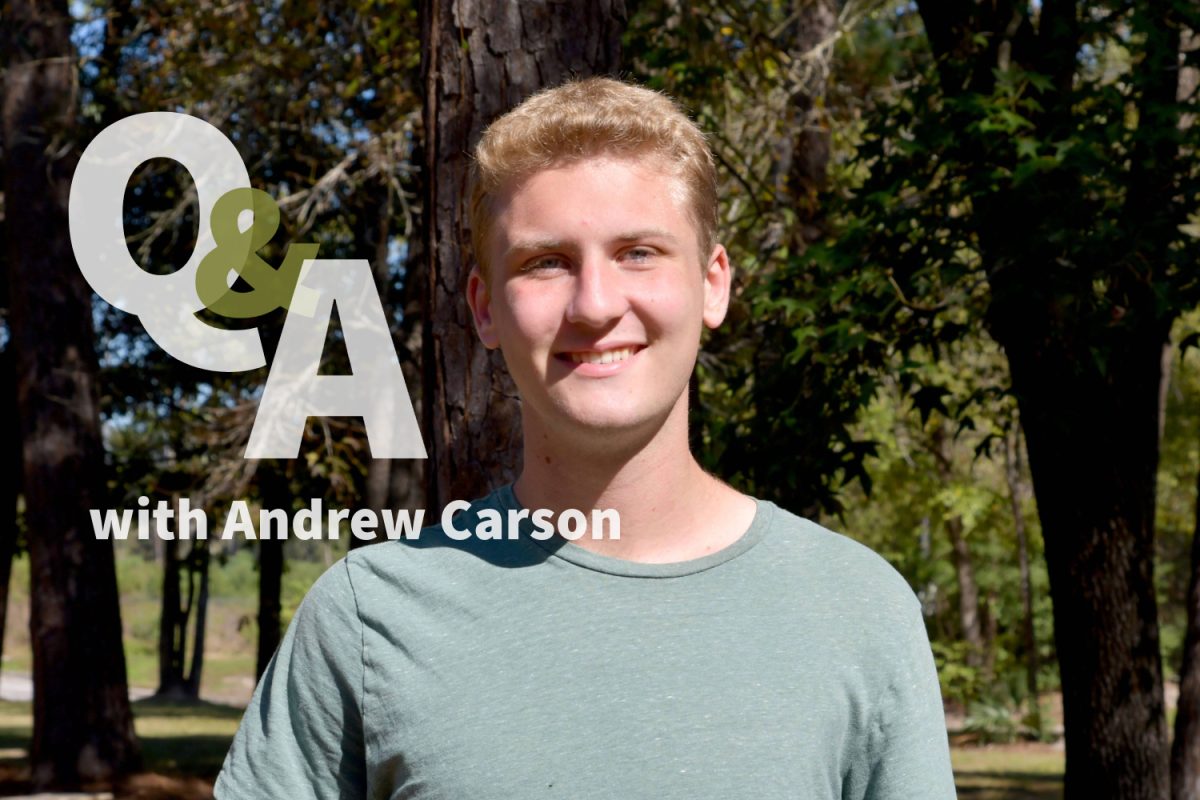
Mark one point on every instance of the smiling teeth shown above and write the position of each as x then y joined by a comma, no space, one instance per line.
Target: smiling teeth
607,357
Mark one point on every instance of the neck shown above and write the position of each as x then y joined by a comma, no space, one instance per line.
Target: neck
670,509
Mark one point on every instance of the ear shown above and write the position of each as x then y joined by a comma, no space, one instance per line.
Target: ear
718,277
479,298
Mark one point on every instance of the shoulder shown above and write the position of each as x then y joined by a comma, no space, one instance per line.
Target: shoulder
862,603
329,607
838,568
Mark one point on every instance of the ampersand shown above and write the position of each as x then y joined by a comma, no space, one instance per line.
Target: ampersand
237,250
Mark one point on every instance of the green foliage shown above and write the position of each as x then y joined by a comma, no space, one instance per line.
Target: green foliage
971,171
928,470
321,101
1176,515
781,383
991,723
960,683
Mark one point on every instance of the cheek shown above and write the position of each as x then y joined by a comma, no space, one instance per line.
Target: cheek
531,314
671,306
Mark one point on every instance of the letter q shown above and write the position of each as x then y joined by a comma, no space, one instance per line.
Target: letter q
166,304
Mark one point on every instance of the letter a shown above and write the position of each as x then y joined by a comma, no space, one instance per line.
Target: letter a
374,391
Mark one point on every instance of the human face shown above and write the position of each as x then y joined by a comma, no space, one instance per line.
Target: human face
597,295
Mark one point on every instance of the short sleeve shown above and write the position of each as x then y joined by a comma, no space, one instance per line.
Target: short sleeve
910,753
302,734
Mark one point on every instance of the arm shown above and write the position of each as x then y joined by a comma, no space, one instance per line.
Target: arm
302,734
910,752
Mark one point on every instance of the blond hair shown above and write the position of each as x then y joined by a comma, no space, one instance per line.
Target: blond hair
587,118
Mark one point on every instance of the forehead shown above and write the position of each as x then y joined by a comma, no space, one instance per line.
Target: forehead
593,197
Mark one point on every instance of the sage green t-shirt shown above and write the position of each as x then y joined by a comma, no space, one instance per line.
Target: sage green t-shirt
794,663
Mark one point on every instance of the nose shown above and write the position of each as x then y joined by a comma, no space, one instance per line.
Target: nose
599,296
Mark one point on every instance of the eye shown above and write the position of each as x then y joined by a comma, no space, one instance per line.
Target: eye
639,255
544,264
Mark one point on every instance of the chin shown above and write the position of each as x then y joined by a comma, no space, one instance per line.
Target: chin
607,422
611,424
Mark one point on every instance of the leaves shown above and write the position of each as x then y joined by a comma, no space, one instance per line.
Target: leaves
928,399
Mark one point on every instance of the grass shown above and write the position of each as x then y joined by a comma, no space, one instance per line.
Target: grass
183,747
177,739
185,739
1008,772
231,630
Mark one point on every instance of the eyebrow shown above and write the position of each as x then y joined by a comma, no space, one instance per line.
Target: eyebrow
647,233
525,245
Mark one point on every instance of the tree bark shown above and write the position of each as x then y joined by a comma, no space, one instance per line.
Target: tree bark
270,583
1093,450
275,492
172,623
803,155
176,678
481,59
198,561
82,724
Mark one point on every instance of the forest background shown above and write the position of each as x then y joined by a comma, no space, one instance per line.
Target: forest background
964,332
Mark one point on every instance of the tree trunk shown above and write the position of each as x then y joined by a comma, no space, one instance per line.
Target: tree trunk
176,680
481,59
968,589
1092,438
198,563
1016,493
82,724
802,157
172,623
270,583
968,592
275,491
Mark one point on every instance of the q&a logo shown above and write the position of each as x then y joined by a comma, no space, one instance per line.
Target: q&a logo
235,221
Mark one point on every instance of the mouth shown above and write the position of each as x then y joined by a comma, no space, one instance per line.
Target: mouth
601,362
603,356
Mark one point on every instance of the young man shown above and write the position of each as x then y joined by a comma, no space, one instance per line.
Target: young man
720,648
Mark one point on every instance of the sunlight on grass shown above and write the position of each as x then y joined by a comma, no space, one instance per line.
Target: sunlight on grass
1008,773
177,738
185,738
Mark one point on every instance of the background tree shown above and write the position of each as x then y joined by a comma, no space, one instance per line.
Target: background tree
1033,176
82,726
479,60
